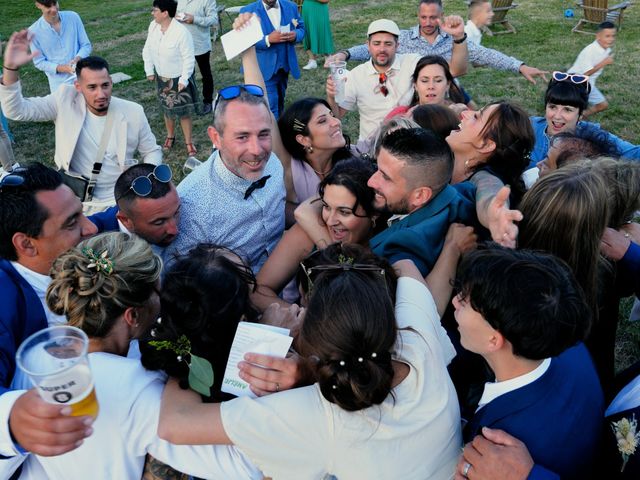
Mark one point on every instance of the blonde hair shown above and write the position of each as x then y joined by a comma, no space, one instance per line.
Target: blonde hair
386,128
91,297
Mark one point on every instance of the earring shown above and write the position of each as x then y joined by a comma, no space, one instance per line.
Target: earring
466,164
373,223
308,149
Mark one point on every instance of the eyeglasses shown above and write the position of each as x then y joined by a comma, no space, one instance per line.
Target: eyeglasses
142,185
338,268
11,180
234,91
572,77
382,83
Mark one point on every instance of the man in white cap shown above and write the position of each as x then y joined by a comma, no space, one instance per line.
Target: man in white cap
377,86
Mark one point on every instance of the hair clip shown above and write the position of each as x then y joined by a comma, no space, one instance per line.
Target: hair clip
374,355
344,260
159,321
335,387
342,363
298,126
102,263
360,360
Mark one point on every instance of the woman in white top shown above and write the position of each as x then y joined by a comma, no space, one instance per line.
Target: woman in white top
198,16
168,59
114,298
383,405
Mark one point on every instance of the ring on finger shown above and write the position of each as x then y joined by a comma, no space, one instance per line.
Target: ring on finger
465,470
277,387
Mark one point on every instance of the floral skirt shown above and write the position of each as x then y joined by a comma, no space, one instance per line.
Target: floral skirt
175,104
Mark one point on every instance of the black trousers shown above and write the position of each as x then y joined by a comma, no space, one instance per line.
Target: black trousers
207,78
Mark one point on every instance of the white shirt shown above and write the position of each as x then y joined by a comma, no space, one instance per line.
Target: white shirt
493,390
473,32
205,15
274,14
169,54
362,91
416,435
588,58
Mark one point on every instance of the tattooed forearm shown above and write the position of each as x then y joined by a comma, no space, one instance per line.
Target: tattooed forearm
156,470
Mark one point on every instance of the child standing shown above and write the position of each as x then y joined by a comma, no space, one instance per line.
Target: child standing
480,15
592,60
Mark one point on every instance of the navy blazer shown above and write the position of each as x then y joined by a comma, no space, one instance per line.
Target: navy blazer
106,221
420,235
268,56
21,314
558,416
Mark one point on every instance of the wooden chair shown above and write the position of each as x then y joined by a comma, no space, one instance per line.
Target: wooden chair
597,11
500,10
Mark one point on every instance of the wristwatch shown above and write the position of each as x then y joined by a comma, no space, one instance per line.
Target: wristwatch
460,40
347,55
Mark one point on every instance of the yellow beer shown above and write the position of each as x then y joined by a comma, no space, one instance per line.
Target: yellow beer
87,405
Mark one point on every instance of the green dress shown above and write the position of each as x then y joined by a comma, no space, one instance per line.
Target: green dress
318,27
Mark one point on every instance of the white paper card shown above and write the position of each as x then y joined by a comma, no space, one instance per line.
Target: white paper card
253,338
237,41
285,28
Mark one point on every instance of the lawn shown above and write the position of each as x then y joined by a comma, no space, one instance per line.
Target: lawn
118,29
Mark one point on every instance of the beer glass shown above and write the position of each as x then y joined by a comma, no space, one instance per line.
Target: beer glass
339,74
55,359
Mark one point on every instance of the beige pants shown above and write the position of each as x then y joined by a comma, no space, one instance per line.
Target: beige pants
95,206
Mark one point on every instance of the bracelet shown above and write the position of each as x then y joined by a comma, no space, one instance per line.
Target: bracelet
346,54
460,40
4,67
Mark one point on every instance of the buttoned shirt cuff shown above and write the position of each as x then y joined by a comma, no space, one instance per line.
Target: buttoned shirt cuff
266,40
7,446
184,81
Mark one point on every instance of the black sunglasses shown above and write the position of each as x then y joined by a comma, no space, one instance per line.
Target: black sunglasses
142,185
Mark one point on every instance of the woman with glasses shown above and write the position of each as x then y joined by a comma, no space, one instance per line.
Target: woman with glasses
567,96
381,385
169,60
108,287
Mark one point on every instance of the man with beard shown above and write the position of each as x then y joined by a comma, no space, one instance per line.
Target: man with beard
83,114
412,182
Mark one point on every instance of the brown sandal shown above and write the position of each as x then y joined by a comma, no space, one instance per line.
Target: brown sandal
191,150
168,143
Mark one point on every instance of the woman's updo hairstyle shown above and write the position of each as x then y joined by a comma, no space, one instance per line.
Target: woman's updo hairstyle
95,282
350,326
205,294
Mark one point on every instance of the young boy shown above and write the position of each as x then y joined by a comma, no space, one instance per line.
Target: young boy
480,15
592,60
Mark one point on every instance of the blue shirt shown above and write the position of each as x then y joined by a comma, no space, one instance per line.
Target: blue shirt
59,48
541,146
214,210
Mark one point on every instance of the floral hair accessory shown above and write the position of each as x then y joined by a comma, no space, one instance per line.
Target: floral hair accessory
626,437
101,262
200,370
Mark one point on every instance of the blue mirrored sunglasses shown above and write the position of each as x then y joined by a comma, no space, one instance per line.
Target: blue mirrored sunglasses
234,91
11,180
142,185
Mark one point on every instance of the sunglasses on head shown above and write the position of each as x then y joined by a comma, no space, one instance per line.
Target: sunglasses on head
12,180
142,185
571,77
337,268
234,91
382,81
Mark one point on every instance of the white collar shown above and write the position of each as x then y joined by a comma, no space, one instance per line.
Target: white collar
38,281
493,390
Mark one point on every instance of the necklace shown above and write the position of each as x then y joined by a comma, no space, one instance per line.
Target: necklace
320,173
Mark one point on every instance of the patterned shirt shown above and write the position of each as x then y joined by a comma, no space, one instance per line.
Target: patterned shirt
410,41
214,210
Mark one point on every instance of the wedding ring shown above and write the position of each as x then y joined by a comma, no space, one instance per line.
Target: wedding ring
467,467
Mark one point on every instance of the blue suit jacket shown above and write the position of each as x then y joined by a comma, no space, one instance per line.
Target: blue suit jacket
268,56
21,314
420,235
106,221
558,416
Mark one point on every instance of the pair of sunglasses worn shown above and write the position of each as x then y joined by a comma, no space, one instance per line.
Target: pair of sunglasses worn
337,268
142,185
14,179
234,91
574,78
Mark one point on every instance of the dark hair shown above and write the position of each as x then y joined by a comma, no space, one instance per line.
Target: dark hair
123,192
583,143
47,3
205,294
430,2
455,95
567,93
427,155
20,211
350,327
295,120
169,6
509,127
92,63
605,26
352,174
437,118
532,299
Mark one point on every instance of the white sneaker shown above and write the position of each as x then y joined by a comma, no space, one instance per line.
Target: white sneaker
311,65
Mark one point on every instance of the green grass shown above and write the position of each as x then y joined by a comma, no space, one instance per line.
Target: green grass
118,28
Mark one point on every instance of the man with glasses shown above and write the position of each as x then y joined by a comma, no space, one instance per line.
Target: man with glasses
378,86
96,134
147,204
40,218
235,198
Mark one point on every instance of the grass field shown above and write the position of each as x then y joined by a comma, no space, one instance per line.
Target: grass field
117,29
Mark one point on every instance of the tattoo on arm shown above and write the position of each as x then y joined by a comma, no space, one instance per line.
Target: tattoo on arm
156,470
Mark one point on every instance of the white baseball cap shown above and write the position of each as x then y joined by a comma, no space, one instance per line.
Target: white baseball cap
383,25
